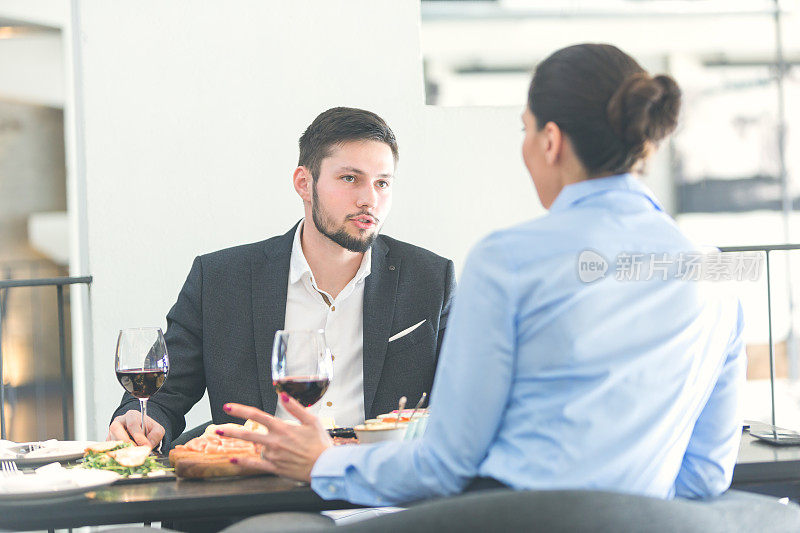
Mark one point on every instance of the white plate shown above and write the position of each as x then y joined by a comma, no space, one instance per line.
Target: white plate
63,450
53,484
369,436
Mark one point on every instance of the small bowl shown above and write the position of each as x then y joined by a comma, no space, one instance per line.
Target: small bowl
405,414
391,418
368,434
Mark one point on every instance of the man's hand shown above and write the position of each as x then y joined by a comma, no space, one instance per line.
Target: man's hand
289,451
128,428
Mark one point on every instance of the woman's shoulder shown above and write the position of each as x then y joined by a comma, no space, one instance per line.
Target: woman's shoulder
551,228
562,234
539,237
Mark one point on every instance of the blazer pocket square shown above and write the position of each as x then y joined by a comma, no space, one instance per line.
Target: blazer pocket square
406,331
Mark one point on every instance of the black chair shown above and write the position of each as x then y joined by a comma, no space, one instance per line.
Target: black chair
551,511
564,511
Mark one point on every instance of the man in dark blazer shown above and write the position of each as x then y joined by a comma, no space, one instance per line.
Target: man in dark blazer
221,328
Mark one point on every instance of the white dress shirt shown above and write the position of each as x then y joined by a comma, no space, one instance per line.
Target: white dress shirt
343,322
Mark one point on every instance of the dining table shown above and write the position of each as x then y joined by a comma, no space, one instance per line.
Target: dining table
767,468
165,500
760,467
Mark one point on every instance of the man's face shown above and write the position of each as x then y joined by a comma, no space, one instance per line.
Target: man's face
353,193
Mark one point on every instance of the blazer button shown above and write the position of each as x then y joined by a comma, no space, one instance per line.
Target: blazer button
329,404
391,267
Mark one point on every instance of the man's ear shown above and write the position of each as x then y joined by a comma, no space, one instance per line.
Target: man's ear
554,143
302,181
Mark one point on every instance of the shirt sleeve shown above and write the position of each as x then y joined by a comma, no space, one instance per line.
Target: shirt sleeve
468,401
710,457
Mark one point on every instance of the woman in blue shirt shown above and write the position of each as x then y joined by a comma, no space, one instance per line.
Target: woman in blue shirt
581,351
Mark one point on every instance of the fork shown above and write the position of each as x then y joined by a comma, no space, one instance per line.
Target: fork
9,468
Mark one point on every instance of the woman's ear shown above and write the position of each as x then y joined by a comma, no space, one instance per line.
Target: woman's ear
554,143
302,181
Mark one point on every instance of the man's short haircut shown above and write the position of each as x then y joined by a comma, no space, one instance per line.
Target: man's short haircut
337,126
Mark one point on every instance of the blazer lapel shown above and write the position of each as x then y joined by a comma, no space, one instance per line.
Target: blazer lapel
270,278
379,298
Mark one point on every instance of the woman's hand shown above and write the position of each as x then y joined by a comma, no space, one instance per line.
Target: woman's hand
288,450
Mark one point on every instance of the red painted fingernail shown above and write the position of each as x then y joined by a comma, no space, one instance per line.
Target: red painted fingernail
227,407
284,397
234,460
220,432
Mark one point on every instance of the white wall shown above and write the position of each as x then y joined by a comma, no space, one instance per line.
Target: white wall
460,177
192,113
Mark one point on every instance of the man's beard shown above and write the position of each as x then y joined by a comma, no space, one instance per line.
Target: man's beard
338,235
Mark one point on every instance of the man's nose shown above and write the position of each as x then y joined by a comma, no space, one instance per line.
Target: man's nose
367,196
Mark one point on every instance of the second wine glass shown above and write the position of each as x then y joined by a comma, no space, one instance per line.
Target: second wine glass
302,365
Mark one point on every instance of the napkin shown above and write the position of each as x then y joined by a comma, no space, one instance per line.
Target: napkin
46,448
5,453
54,447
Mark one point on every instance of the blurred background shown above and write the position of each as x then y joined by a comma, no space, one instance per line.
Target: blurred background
729,175
70,144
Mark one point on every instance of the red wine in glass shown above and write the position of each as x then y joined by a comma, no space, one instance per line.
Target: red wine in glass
305,389
302,365
141,383
141,364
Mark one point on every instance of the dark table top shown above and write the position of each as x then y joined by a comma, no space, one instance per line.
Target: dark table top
161,500
761,462
169,500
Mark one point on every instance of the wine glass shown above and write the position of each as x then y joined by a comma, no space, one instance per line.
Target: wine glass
142,364
302,365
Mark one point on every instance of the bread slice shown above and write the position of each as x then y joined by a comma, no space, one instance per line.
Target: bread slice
199,465
132,456
209,455
100,447
252,425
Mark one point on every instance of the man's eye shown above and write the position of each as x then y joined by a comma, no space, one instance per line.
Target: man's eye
349,179
383,184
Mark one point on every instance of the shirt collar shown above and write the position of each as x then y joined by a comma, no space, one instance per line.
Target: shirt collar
577,192
298,266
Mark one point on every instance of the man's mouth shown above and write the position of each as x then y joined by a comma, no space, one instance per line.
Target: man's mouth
364,221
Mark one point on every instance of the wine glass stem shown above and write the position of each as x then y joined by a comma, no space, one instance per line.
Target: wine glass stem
143,404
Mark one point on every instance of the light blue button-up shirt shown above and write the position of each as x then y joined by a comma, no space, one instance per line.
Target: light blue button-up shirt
551,379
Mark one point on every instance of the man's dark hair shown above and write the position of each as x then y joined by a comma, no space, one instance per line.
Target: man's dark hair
337,126
609,106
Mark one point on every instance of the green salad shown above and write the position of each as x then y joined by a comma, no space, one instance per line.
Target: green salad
123,458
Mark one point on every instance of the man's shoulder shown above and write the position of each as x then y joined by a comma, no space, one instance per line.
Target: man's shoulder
410,252
235,253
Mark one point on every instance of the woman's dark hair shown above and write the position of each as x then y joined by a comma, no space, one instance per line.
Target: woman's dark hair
337,126
611,109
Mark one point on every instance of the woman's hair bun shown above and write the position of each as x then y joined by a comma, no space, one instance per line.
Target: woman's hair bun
612,110
644,108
